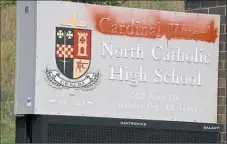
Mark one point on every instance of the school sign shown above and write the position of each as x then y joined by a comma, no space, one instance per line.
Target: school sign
102,61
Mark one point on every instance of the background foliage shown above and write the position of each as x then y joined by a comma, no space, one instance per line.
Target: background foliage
7,3
7,41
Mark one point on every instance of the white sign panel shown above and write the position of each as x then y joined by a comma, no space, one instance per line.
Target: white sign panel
102,61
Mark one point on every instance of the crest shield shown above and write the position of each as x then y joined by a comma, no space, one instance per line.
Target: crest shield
73,51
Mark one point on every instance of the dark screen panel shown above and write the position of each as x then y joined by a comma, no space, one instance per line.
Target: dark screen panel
66,133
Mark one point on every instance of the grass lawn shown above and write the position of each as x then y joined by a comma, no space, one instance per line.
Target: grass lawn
8,35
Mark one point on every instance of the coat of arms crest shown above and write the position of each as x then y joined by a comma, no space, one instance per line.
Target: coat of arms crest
73,59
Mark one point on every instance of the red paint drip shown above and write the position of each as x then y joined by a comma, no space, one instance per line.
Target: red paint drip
190,28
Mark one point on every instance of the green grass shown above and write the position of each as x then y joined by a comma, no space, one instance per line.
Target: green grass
7,118
8,35
156,5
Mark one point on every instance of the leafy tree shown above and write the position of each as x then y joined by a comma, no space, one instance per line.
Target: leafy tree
7,3
102,2
175,5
